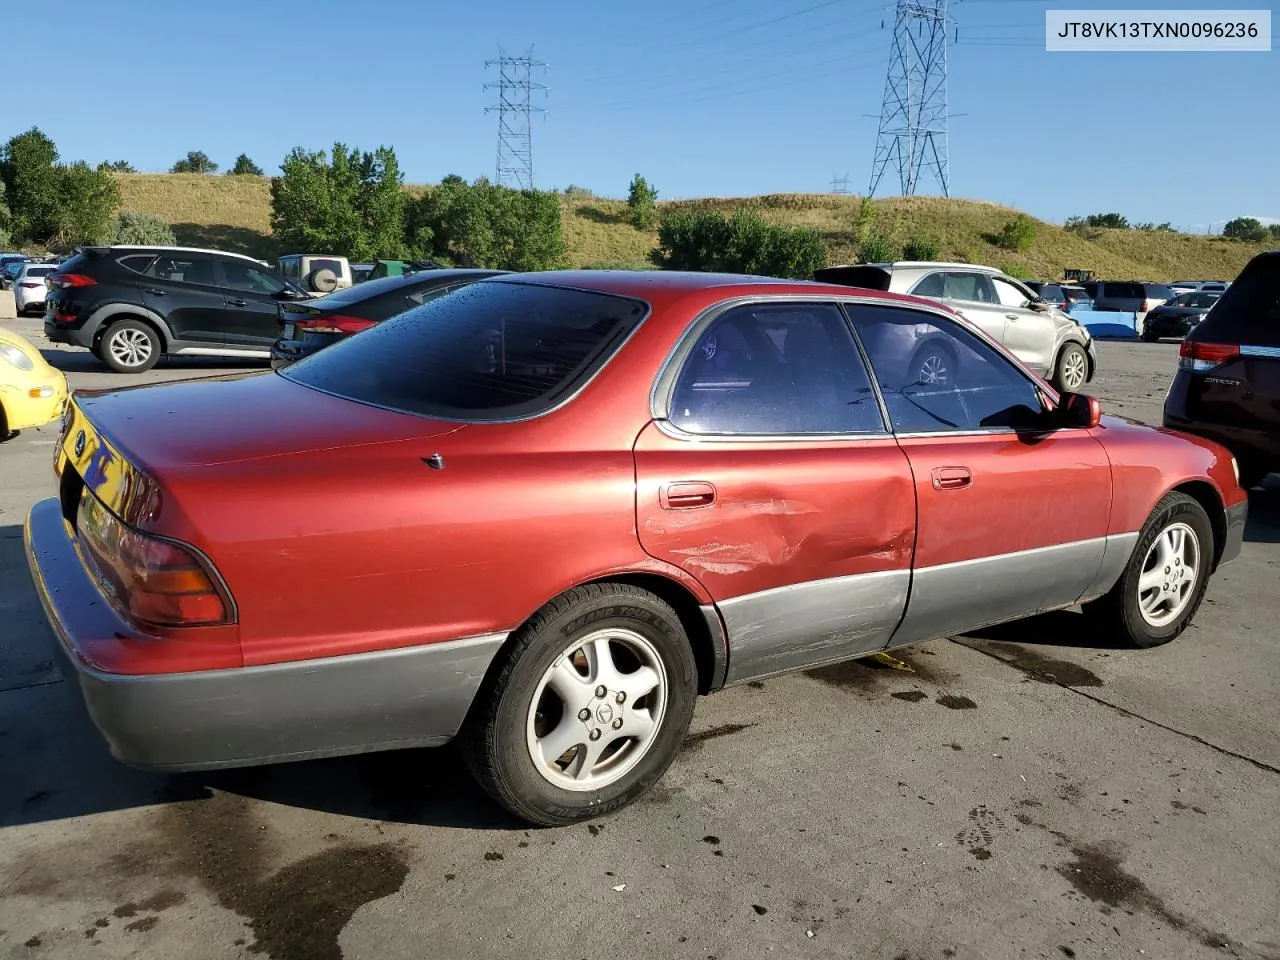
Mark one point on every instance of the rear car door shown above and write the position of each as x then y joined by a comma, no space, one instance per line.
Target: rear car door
973,297
1012,513
252,300
1028,334
769,475
185,291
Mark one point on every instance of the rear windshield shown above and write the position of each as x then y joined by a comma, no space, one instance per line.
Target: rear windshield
491,351
871,278
1249,312
1050,291
40,271
1158,291
1122,291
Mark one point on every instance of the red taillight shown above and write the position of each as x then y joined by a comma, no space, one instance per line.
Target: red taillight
334,323
149,580
65,280
64,318
1203,357
30,286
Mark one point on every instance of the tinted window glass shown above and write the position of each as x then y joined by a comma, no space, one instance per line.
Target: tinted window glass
137,262
182,269
492,351
1249,312
1122,291
39,271
1052,292
930,286
776,369
970,286
1183,300
1157,291
937,377
1204,299
242,275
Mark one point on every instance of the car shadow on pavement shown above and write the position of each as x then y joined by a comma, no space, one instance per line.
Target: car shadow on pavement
82,361
1058,628
1263,525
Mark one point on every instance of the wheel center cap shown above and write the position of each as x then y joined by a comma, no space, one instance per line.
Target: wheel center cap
604,713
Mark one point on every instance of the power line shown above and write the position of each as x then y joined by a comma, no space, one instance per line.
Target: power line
913,116
515,109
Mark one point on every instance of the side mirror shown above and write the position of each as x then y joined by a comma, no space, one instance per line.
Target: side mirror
1039,306
1078,410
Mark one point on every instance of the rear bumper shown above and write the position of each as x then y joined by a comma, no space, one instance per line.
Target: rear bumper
208,719
1257,446
78,336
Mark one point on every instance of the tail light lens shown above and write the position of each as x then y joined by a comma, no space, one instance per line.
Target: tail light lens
1203,357
334,323
64,280
30,286
149,580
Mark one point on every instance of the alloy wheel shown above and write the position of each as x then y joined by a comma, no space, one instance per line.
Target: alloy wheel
1169,575
130,348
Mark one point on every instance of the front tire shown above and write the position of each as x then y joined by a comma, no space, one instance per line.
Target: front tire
1165,581
1072,371
544,740
129,346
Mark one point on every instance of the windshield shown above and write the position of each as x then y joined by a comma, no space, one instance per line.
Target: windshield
491,351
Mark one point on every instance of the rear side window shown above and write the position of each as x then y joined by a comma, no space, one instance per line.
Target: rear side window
776,369
137,262
1249,312
241,275
970,286
491,351
182,270
930,286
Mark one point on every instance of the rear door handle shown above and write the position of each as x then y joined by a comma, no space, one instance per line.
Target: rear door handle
951,478
688,494
235,303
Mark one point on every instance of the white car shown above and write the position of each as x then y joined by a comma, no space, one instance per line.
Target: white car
29,288
1199,286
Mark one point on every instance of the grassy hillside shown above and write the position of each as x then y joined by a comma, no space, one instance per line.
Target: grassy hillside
234,213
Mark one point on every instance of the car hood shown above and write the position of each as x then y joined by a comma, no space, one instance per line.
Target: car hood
221,420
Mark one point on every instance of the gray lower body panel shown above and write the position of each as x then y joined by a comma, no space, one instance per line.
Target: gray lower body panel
1115,557
409,697
776,631
1232,544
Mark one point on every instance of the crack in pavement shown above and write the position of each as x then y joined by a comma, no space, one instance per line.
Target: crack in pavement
32,686
1225,751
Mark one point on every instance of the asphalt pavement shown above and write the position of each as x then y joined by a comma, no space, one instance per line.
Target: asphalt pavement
1029,792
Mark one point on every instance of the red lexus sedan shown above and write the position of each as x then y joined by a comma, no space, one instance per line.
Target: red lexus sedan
545,512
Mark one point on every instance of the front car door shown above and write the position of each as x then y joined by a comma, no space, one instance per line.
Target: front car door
1030,335
184,289
973,297
1012,512
252,303
769,475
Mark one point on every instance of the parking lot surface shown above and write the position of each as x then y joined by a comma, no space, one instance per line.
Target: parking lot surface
1027,792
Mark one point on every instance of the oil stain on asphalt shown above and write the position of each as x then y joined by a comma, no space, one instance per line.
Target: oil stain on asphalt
296,912
1039,667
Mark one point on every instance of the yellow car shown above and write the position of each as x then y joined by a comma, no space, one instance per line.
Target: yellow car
32,393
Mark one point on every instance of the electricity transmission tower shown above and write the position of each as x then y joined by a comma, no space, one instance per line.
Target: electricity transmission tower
840,184
913,118
515,110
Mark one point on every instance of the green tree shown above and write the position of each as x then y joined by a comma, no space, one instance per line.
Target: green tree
28,168
486,225
4,219
350,203
196,161
141,228
1017,234
642,201
1249,229
1274,230
921,248
744,243
244,167
1111,221
117,166
877,249
864,220
88,200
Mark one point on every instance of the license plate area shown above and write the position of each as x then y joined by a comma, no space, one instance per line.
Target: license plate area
288,331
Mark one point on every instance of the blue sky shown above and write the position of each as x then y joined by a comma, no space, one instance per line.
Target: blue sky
704,97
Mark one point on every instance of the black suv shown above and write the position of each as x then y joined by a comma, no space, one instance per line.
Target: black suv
133,305
1227,387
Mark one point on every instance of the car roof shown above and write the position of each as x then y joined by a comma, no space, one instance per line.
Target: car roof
924,265
172,248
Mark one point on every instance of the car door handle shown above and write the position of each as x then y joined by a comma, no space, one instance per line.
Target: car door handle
688,494
1011,316
234,303
154,292
951,478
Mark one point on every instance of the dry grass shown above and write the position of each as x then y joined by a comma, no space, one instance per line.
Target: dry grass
234,213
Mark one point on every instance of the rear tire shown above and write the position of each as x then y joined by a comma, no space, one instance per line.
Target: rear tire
1166,577
1149,335
933,364
521,717
1072,371
129,346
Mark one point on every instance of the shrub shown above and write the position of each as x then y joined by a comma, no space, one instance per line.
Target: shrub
1018,234
244,167
141,228
575,192
743,243
641,200
921,248
1016,271
877,249
866,217
196,161
1248,229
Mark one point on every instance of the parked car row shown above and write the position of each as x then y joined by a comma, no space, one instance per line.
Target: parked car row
542,513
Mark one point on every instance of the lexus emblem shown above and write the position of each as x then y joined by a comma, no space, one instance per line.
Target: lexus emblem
80,441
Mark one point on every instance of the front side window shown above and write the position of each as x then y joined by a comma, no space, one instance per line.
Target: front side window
245,276
1009,294
937,377
776,369
974,287
491,351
